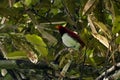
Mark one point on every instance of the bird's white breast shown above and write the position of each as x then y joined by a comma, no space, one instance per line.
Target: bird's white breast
70,42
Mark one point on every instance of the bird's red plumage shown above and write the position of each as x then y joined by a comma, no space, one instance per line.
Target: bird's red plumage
63,30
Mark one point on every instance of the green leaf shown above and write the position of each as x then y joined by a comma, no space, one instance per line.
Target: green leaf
89,53
117,40
38,44
16,55
64,60
30,2
116,25
103,27
54,11
102,40
18,4
56,3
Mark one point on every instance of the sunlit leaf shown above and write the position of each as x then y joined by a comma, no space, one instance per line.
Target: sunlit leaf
89,53
92,26
28,2
88,6
17,55
102,39
38,43
18,4
95,34
65,68
64,60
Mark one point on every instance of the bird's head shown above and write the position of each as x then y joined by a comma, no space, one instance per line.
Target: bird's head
58,27
61,29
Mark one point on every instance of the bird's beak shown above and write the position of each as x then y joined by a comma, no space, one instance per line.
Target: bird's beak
57,27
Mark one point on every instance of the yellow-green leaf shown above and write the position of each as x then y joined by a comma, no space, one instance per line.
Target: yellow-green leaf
116,25
102,39
95,34
117,40
28,2
103,27
88,6
65,68
92,26
16,55
38,44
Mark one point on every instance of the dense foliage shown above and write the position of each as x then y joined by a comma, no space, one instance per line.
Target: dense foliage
31,46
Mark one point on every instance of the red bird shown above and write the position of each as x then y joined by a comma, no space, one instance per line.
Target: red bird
70,39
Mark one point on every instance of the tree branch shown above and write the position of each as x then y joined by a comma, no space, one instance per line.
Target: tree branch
113,73
23,64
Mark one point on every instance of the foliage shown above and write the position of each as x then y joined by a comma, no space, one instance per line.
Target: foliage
27,32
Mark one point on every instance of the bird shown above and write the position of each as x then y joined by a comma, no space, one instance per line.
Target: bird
70,39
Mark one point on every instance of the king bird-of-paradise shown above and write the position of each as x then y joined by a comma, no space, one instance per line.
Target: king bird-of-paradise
70,39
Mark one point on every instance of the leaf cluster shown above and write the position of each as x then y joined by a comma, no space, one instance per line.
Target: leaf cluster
27,32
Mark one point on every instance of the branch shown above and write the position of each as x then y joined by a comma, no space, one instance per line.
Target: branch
23,64
113,73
